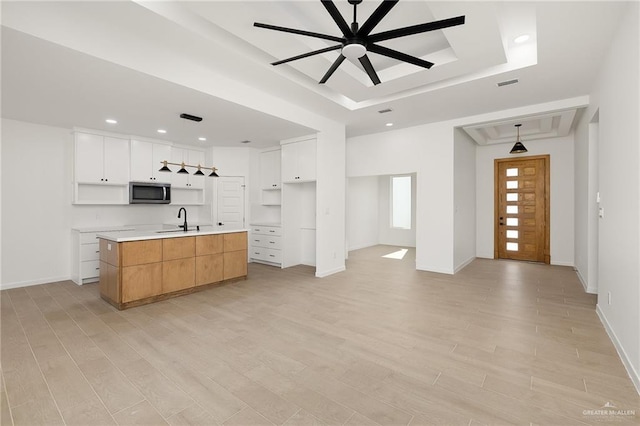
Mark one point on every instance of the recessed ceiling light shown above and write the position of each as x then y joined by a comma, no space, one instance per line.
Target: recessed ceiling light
202,139
389,124
111,121
521,39
162,131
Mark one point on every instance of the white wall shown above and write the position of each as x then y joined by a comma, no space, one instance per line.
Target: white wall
586,207
386,234
426,150
36,203
37,214
464,198
362,212
562,193
331,200
616,98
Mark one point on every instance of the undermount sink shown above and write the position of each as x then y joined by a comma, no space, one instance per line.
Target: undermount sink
176,230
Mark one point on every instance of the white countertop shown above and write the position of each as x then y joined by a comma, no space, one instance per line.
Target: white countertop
104,228
275,224
140,235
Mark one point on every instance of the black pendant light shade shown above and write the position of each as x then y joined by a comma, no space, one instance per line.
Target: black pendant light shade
164,167
199,172
183,170
213,172
518,147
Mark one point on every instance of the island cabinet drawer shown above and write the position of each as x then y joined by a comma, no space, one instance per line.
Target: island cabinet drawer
178,248
266,230
140,252
209,269
235,241
90,251
209,244
178,274
141,281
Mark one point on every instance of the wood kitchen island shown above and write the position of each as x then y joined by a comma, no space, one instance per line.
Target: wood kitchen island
137,267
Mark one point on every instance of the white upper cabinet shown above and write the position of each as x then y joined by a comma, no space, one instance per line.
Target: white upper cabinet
101,159
146,161
270,170
299,161
193,158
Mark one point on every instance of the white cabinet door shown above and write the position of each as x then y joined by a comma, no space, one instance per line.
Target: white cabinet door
270,170
101,159
160,153
193,158
146,161
299,161
307,160
89,158
141,154
116,160
289,162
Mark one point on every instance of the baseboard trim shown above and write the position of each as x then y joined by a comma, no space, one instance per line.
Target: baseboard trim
464,264
584,283
633,374
361,246
29,283
570,264
330,272
428,268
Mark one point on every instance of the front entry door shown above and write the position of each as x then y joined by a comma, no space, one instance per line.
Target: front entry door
522,209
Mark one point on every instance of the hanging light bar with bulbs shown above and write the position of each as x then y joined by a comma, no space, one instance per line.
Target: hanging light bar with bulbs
182,170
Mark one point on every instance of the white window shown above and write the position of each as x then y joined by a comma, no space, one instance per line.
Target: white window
401,202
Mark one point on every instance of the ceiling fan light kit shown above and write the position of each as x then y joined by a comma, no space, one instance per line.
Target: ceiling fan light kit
357,41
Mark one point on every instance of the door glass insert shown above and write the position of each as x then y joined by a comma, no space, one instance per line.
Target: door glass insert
512,233
512,184
512,172
512,196
512,221
512,209
512,246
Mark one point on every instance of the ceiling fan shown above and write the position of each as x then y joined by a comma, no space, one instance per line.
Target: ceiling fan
357,40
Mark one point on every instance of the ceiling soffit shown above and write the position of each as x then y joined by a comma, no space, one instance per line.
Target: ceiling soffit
480,48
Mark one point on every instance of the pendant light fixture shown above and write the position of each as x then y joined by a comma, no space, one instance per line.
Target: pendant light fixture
518,147
183,169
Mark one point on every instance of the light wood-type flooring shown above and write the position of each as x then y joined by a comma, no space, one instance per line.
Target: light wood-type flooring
501,342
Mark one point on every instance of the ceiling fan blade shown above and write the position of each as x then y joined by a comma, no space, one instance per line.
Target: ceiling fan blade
333,68
306,55
299,32
366,63
416,29
337,17
385,51
376,17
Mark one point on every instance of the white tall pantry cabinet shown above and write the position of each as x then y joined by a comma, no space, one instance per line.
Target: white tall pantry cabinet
299,202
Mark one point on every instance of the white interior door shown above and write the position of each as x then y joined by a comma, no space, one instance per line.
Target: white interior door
230,203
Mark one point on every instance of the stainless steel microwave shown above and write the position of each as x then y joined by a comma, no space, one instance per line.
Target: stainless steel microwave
149,193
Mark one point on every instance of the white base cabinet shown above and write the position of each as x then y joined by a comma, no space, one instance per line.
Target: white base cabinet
85,253
266,244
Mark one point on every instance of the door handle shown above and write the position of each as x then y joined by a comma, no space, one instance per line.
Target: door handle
501,223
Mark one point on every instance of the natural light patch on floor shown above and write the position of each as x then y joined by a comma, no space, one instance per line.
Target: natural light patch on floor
396,254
